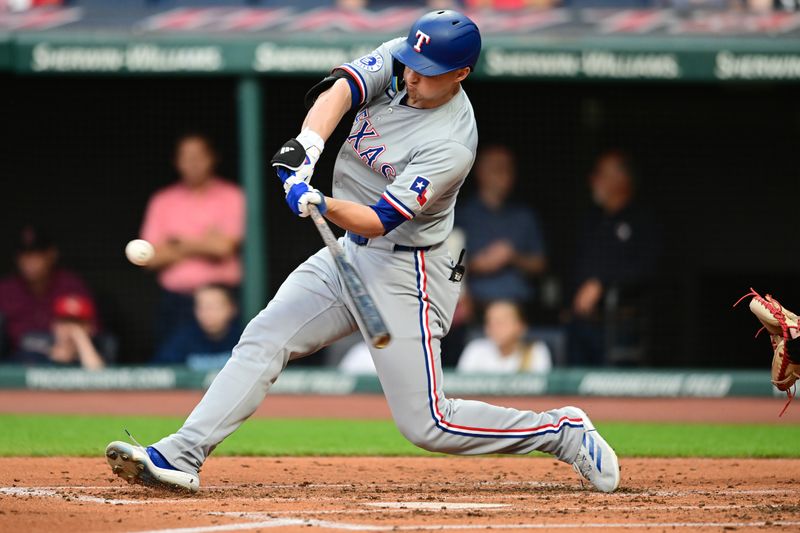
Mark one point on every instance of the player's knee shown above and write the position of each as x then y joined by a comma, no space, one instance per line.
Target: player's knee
424,435
420,439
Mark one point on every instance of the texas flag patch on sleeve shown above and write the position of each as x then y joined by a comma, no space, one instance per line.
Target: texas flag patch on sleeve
421,186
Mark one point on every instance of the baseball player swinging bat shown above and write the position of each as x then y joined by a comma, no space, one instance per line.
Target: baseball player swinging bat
373,321
397,176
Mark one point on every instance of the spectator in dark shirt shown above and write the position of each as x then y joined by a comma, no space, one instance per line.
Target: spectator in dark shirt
27,298
504,241
618,248
207,341
72,339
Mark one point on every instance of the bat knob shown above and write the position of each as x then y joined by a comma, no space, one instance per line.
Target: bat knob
381,340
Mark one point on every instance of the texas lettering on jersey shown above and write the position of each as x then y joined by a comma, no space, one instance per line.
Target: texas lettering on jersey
364,130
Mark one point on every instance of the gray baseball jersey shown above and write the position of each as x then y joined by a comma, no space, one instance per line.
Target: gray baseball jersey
408,165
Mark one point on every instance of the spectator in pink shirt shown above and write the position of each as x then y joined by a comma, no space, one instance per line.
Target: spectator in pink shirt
27,298
196,227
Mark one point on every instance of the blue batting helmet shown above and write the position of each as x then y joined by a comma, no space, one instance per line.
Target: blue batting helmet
440,41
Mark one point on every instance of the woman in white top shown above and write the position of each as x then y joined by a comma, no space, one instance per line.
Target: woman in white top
504,350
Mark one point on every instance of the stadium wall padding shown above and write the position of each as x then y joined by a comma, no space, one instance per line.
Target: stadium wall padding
617,383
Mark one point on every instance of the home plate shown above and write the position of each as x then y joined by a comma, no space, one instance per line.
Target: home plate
436,505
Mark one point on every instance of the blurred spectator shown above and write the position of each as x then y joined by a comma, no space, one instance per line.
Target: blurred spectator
384,4
511,4
73,339
504,242
352,5
27,298
784,5
618,249
196,227
206,342
505,349
24,5
358,360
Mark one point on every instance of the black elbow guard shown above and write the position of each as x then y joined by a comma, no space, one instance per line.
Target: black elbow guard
314,92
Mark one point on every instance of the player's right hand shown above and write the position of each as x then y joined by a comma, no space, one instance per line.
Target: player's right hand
300,195
297,157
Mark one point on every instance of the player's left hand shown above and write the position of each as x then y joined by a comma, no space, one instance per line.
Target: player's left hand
295,160
300,195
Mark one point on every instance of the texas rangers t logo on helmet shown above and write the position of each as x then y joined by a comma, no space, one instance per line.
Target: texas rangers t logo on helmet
422,38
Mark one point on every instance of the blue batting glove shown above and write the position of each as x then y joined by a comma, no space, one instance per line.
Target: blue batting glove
300,195
283,173
289,177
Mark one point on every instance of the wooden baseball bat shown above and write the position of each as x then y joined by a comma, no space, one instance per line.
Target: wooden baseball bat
370,316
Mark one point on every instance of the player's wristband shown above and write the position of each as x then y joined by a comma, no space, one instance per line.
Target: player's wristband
312,143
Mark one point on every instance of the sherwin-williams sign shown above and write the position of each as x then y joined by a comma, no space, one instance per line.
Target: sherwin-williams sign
46,57
592,44
585,63
731,66
61,54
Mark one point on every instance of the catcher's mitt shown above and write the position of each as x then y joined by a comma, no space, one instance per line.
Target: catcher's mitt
782,326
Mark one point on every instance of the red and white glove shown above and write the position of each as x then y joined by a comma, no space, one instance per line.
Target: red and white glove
782,327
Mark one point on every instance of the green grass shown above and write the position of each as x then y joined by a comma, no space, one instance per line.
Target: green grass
43,435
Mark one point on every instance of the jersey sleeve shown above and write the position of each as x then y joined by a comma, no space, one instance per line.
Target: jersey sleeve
433,172
371,74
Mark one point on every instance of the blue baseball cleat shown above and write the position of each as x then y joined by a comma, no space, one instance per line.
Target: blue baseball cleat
596,461
146,466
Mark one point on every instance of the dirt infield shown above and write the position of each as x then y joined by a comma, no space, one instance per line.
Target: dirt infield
404,494
180,403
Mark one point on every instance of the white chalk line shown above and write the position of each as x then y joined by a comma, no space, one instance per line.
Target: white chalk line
49,493
269,520
54,493
436,505
67,493
347,526
543,510
479,484
381,507
309,512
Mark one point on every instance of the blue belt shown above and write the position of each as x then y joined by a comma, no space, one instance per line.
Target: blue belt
362,241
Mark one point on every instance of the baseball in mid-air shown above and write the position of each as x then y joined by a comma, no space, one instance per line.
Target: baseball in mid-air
139,252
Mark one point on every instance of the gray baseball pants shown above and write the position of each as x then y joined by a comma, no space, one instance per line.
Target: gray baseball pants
313,309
